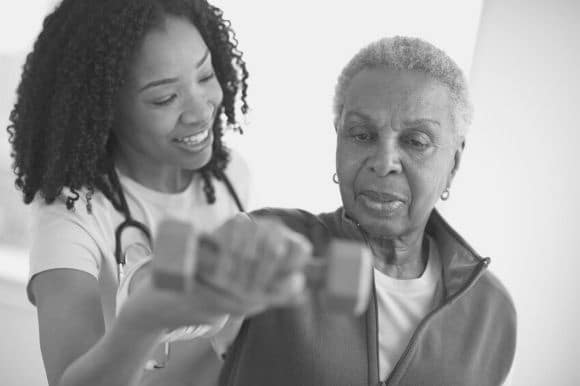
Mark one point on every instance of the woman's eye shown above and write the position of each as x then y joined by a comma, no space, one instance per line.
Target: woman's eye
165,101
361,134
207,77
416,143
364,137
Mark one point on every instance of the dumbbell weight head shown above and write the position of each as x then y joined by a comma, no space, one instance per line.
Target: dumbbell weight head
184,257
346,282
171,269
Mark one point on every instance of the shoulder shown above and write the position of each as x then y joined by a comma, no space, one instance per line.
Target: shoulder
318,229
56,214
300,219
494,290
490,308
64,238
297,219
491,312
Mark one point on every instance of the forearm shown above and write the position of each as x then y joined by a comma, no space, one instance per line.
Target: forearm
118,358
191,362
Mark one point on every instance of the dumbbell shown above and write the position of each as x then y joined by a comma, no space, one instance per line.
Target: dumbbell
340,280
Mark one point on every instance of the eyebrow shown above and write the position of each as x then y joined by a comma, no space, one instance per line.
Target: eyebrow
421,121
357,114
409,122
203,59
163,81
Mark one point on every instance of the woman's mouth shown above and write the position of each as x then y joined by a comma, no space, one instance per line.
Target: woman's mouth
386,204
196,141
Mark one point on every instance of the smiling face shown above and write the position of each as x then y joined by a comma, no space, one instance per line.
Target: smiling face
396,150
170,101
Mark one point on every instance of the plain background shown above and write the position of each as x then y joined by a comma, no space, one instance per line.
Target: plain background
515,197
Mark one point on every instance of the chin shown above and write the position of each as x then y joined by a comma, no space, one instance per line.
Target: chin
378,224
199,160
385,228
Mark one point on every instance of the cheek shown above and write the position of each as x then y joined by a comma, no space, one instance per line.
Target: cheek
158,122
346,162
153,132
138,116
215,94
348,165
427,181
423,184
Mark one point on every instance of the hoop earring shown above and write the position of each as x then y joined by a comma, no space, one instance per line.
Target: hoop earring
335,179
445,194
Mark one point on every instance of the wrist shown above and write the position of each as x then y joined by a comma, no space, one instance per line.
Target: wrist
134,323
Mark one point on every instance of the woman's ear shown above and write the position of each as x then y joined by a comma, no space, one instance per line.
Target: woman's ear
336,120
456,160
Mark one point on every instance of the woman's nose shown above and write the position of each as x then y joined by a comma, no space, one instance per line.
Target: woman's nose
197,109
386,159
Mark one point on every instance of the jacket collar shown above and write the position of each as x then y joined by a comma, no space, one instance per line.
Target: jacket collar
458,260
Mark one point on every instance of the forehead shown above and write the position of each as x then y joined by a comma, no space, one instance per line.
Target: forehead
170,49
387,94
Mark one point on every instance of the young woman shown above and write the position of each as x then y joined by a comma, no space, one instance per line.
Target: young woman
118,124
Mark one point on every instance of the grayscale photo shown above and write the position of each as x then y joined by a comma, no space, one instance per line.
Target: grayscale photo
305,193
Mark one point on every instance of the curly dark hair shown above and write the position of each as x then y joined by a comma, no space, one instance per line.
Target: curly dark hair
61,125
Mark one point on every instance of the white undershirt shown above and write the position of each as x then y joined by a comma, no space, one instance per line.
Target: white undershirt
401,305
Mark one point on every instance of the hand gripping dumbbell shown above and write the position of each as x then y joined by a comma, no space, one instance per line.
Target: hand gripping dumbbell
341,279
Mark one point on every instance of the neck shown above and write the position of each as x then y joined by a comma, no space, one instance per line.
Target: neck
149,173
400,258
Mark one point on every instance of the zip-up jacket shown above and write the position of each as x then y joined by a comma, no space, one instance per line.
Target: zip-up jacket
468,339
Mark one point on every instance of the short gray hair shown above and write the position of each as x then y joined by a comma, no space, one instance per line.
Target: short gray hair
406,53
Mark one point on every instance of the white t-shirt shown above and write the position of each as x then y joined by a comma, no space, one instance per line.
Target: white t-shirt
77,240
401,305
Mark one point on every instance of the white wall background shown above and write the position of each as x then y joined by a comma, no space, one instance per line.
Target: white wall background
20,361
295,51
514,198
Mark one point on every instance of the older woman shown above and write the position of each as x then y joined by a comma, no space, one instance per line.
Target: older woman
437,316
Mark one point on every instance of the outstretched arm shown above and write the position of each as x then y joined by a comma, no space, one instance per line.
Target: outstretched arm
75,348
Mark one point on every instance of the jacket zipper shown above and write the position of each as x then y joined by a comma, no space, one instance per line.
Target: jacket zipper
412,342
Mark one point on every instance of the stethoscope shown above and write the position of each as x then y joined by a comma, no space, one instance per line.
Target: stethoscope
121,260
121,257
129,222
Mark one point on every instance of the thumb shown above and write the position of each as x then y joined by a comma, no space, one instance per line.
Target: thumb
288,290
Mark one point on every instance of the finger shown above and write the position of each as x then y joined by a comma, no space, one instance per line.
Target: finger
298,253
259,253
250,254
271,249
139,277
283,252
289,290
236,240
221,265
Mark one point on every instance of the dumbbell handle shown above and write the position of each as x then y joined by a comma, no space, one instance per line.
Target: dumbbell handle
342,277
207,259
